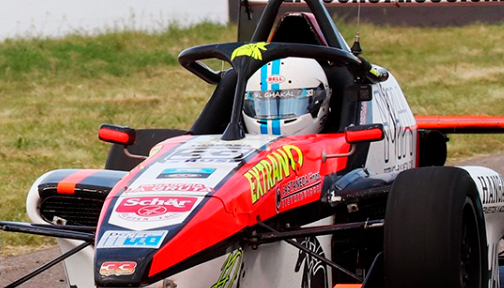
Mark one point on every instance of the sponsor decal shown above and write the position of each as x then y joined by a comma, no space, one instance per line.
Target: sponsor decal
155,208
253,50
492,188
186,173
363,119
270,171
275,79
298,190
208,153
292,93
493,209
314,270
117,268
399,135
230,270
132,239
172,187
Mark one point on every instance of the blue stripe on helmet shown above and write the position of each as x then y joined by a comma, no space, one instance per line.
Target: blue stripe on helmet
275,70
303,94
264,75
275,127
264,128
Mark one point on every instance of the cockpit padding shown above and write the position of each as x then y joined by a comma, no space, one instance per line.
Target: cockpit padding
298,28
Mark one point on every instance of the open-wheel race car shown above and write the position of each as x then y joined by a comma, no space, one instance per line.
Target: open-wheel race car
306,168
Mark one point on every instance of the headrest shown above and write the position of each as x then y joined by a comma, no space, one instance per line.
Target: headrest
298,27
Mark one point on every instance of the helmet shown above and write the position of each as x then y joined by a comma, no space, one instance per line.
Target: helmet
287,97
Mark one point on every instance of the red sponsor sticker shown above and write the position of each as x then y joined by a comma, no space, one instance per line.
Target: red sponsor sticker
175,187
117,268
143,209
165,204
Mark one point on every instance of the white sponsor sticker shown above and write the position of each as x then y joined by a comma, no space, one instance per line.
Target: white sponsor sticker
132,239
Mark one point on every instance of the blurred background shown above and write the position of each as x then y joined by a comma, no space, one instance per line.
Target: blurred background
41,18
55,18
67,66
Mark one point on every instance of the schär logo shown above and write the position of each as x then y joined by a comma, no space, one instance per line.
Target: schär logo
167,204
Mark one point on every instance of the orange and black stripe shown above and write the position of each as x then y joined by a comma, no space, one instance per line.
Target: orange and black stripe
72,182
67,185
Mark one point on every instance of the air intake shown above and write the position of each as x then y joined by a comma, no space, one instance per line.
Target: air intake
71,210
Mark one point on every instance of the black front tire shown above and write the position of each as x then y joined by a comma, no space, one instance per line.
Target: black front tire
434,231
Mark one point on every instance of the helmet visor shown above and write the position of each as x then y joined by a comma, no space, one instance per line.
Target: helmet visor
281,104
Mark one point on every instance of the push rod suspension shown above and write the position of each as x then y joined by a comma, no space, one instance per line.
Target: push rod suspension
45,231
321,258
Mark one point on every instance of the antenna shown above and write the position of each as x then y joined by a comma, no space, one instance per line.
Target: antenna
356,48
248,10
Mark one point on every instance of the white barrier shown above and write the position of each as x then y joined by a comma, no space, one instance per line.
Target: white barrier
389,2
54,18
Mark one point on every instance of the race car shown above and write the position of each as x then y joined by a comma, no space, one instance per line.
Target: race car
324,180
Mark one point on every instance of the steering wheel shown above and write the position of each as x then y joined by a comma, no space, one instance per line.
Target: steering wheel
246,58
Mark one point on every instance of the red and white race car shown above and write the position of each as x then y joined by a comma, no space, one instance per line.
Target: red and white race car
364,201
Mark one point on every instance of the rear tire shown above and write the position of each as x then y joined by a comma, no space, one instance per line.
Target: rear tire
434,231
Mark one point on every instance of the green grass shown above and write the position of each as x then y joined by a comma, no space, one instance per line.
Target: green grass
55,93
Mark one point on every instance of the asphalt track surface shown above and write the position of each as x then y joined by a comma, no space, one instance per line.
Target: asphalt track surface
12,268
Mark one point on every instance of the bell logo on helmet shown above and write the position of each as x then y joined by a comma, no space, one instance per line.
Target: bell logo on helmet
275,79
252,50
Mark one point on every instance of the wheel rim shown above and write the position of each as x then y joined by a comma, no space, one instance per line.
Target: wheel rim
470,264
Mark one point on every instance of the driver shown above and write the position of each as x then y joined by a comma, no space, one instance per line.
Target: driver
287,97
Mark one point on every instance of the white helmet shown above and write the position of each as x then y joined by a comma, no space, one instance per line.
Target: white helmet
287,97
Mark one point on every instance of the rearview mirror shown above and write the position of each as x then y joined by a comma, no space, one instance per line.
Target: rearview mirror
360,92
364,133
117,134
